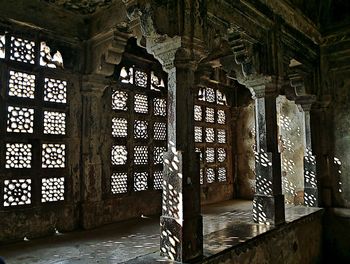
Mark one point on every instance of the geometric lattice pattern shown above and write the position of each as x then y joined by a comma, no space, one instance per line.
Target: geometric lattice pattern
17,192
157,180
211,106
210,155
53,155
198,134
209,135
197,113
54,123
119,100
52,189
20,119
140,155
55,90
222,174
140,78
210,175
140,181
158,154
119,182
21,84
22,50
30,101
159,107
18,155
209,117
141,104
159,131
119,155
210,95
221,154
140,129
119,127
221,117
221,136
143,126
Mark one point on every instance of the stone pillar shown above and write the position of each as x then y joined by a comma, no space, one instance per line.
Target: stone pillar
268,203
91,189
310,178
181,221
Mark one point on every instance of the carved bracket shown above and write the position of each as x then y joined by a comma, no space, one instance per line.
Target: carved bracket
107,49
242,47
298,92
164,49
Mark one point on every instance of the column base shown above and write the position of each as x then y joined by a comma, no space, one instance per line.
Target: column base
181,241
268,209
311,197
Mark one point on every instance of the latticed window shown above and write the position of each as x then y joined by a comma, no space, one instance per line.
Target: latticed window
33,122
139,125
211,134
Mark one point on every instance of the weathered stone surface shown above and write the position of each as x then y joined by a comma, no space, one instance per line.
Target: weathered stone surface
287,244
291,146
245,152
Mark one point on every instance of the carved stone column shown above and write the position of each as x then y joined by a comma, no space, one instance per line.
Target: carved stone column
268,203
181,221
91,189
310,179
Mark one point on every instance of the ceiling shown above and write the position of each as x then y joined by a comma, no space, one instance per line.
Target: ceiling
325,14
84,7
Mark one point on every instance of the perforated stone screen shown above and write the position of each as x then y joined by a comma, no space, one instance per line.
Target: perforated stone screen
34,118
211,113
139,120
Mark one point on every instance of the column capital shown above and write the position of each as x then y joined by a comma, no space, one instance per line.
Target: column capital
305,102
164,49
261,85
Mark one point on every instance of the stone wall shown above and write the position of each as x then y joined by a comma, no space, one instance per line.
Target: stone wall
298,242
245,141
336,143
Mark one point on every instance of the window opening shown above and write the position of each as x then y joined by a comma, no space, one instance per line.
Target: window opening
139,124
210,134
35,114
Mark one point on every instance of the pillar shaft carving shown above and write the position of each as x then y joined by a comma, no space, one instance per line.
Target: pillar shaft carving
311,197
268,204
92,91
304,102
181,222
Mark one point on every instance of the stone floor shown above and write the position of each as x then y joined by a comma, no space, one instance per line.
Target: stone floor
225,224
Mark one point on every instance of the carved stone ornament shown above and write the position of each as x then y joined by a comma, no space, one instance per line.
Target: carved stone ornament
242,48
164,49
83,7
107,49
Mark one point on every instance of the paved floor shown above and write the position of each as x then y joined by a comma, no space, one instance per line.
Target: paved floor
225,225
